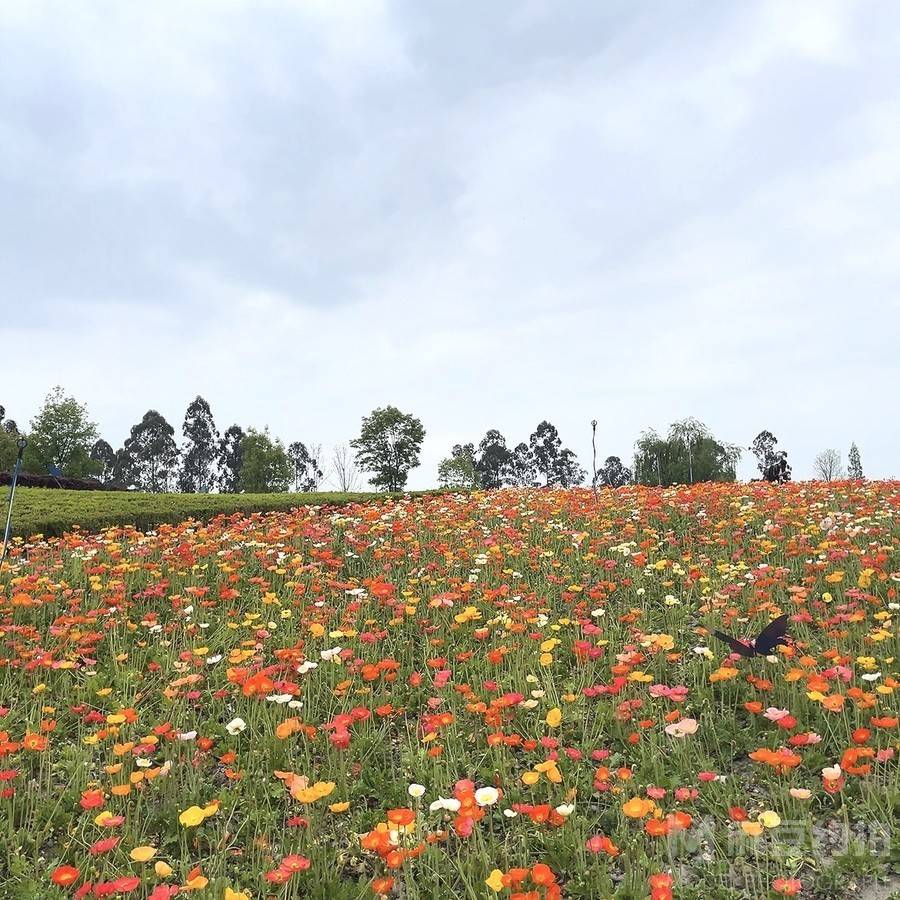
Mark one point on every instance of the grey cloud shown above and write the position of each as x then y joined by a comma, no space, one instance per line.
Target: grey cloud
489,212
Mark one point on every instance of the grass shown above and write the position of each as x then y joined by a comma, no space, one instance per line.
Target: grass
496,695
50,512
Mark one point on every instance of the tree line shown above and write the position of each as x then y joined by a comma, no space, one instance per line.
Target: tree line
62,440
688,453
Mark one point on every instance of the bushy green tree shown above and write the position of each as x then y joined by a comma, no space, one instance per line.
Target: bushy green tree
150,456
388,446
61,436
613,473
9,433
459,470
265,467
200,452
8,451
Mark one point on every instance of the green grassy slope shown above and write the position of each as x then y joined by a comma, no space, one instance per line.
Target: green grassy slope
51,512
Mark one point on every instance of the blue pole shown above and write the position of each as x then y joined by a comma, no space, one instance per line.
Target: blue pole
21,444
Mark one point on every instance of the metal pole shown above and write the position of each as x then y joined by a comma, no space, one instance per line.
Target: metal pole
21,443
594,445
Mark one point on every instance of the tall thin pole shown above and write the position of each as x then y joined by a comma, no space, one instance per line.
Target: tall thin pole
594,445
22,443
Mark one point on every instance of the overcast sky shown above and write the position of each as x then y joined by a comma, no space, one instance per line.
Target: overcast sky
485,213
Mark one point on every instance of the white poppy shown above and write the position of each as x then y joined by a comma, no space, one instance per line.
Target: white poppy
486,796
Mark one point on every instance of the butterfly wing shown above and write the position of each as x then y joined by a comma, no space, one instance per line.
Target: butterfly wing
737,646
772,635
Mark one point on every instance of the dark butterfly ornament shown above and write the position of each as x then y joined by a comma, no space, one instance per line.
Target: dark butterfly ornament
769,638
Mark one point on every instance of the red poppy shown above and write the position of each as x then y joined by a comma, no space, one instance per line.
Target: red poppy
104,845
65,875
295,863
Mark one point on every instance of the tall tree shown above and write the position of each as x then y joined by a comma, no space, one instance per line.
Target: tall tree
231,459
613,473
763,448
689,433
828,465
201,449
545,446
61,437
104,455
458,470
689,453
854,464
7,425
558,465
521,468
153,453
343,468
9,451
304,466
715,460
492,458
772,463
316,474
778,471
567,472
388,446
125,470
265,467
651,457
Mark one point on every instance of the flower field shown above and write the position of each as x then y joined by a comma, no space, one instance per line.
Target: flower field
509,695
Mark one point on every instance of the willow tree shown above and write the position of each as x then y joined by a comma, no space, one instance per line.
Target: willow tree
688,453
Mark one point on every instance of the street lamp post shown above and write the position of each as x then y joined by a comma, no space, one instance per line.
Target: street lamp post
21,444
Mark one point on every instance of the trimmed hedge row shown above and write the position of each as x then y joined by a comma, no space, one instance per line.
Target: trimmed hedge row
52,512
29,479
